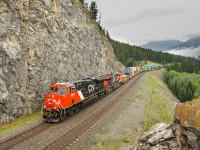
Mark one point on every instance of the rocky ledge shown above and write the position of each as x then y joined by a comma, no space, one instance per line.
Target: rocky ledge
182,134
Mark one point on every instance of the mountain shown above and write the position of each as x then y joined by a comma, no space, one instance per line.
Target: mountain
162,45
173,44
189,48
193,42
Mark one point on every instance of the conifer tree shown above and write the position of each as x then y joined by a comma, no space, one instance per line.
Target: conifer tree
93,10
107,34
82,1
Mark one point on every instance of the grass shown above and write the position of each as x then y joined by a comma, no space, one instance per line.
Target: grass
158,108
152,63
98,141
154,81
138,95
109,144
17,123
126,140
148,63
120,64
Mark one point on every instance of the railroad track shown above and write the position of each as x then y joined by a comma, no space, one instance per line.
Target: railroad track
30,133
11,142
65,140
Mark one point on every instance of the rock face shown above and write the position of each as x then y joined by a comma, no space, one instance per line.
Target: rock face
43,42
182,134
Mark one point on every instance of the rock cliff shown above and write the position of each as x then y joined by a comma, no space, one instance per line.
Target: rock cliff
182,134
43,42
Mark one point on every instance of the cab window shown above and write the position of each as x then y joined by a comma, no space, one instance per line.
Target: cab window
72,89
53,89
60,91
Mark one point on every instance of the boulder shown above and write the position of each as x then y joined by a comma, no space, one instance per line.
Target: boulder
188,113
182,134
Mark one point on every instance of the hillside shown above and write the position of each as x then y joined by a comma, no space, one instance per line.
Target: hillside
43,42
189,48
192,42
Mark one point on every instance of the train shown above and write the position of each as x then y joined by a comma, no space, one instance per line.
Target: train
66,98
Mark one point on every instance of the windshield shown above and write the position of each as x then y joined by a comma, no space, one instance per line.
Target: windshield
60,91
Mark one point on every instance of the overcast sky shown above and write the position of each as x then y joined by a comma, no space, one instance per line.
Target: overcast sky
140,21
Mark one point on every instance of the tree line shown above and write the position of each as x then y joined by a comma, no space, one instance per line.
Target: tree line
92,8
186,86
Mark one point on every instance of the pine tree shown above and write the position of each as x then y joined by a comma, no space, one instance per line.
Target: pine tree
107,34
82,1
93,10
99,21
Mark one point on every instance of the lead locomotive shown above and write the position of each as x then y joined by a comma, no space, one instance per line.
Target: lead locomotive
68,97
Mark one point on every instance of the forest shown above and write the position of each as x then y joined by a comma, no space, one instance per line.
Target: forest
129,55
186,86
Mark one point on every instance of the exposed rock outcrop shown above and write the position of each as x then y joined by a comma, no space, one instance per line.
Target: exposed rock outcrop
182,134
43,42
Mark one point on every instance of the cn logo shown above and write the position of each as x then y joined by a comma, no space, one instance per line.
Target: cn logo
91,88
53,101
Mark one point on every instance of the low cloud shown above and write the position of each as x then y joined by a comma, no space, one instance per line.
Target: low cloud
151,13
188,52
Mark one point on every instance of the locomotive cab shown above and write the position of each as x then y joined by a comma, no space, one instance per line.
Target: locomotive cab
58,89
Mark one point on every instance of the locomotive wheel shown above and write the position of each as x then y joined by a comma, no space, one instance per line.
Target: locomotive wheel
71,112
105,92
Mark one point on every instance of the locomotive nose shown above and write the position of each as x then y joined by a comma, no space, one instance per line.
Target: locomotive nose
53,101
